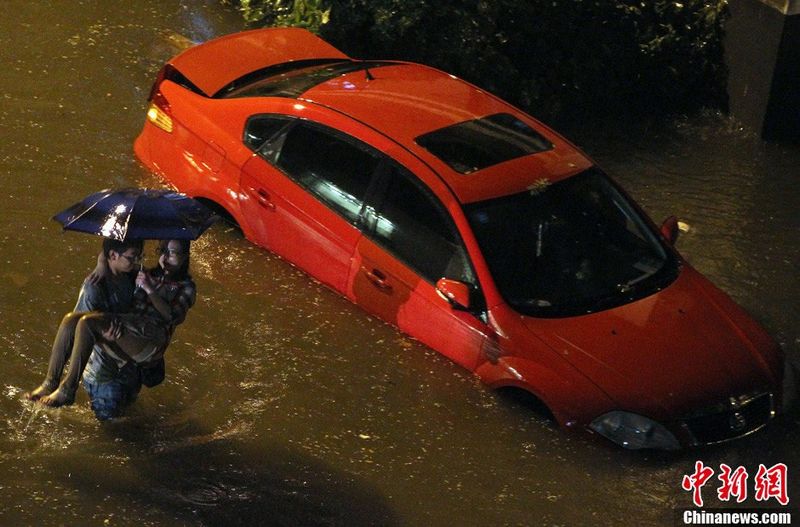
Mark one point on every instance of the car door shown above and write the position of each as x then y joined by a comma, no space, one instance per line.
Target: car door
409,243
302,194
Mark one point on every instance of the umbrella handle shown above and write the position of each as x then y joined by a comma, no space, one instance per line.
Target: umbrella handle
141,268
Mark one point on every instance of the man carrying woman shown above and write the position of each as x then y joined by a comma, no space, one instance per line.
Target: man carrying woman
117,333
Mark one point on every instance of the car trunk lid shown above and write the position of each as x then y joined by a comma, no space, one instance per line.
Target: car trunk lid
214,64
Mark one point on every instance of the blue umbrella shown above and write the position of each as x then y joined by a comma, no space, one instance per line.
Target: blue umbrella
136,213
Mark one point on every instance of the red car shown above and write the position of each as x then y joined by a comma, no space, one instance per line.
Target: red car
470,226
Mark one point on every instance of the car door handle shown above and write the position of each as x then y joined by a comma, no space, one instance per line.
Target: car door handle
263,198
378,279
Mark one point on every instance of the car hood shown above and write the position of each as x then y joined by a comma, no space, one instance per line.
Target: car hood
673,351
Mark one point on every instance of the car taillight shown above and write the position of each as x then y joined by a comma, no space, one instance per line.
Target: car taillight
158,112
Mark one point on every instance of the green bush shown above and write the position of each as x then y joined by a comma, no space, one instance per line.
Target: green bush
310,14
554,58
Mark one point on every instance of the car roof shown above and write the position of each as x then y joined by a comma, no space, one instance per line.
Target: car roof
405,100
401,100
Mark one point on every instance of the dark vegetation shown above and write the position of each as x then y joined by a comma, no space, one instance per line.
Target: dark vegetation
555,58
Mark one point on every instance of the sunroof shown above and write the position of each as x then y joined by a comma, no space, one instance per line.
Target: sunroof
472,145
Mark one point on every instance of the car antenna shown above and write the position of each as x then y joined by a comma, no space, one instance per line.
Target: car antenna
369,75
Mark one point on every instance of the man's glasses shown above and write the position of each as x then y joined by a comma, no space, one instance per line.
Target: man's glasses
132,259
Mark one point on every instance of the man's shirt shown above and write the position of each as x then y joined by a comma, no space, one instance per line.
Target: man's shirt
110,295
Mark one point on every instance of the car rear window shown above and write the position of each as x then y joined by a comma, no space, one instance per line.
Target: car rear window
292,82
472,145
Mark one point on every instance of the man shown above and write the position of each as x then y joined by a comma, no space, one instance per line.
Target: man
163,297
112,294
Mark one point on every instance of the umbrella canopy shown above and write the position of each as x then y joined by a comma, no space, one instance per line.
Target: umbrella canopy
136,213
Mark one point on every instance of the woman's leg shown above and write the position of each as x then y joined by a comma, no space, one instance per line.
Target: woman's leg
88,331
62,346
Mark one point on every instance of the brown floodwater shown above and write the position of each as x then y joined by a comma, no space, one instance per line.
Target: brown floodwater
285,404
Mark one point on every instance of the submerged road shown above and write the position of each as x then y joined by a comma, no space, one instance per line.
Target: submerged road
285,404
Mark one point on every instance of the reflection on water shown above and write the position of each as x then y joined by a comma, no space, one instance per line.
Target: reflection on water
284,404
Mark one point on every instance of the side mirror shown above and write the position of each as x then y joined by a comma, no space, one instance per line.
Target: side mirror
455,292
670,230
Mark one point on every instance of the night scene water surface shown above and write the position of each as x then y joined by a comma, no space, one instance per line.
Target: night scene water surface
285,404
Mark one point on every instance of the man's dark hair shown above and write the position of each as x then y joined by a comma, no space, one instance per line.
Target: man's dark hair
120,247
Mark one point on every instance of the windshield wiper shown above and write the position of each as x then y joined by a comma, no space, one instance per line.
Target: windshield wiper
648,271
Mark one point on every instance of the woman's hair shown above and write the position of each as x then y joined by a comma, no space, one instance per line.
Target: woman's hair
183,271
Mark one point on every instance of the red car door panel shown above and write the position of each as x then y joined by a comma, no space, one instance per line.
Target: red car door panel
283,217
395,293
412,242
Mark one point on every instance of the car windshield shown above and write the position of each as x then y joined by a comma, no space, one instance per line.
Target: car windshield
572,247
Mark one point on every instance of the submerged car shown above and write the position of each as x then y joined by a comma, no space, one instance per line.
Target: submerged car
467,224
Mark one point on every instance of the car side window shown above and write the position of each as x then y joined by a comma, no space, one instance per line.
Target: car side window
410,223
261,128
336,170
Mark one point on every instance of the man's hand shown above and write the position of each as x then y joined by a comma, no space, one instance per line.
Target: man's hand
114,330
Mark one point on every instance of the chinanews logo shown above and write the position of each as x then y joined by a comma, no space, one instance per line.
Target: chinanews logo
768,487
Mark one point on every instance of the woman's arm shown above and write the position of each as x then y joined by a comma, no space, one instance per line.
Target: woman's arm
183,301
100,271
147,285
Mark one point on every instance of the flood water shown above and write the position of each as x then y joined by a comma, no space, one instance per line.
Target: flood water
286,405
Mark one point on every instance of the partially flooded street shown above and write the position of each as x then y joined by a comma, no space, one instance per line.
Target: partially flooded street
285,404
